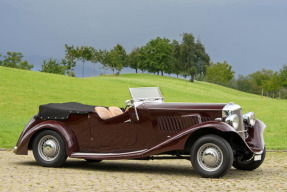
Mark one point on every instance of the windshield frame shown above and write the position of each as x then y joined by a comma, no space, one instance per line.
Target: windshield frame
154,96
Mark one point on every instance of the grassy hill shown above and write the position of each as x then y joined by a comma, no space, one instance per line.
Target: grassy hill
23,91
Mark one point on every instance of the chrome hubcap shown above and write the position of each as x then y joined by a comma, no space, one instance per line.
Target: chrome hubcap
209,157
48,148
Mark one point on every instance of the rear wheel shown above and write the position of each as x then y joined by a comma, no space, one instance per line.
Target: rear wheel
211,156
49,149
249,165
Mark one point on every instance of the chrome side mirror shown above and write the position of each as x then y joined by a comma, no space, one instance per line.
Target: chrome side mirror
128,103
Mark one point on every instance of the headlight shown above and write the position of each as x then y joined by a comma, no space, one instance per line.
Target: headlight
249,118
233,120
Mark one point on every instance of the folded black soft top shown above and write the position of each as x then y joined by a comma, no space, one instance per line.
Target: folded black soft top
63,110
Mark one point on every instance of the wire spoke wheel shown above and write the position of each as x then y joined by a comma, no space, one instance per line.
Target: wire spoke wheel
49,149
209,157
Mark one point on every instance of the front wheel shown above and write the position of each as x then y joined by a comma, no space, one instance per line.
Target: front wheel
249,165
49,149
211,156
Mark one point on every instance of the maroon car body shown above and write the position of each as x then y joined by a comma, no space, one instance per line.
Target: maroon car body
151,130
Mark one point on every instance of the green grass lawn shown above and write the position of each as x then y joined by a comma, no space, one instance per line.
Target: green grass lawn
23,91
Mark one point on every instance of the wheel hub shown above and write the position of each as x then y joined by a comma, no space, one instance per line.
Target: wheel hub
210,157
49,148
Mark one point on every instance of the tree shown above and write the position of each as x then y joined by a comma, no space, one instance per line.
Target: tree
261,78
14,60
156,56
70,56
103,57
283,76
141,61
202,59
52,66
188,54
176,59
220,73
117,58
133,59
69,67
274,84
94,58
84,54
246,84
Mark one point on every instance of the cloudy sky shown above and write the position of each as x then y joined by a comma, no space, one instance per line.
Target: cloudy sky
249,34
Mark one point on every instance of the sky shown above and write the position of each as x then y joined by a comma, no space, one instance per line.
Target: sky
248,34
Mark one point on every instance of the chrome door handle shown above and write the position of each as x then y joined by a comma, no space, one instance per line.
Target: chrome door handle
128,121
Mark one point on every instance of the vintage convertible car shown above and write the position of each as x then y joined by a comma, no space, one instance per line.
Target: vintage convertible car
212,136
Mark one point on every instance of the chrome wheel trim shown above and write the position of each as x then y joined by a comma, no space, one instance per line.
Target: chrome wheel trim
48,148
209,157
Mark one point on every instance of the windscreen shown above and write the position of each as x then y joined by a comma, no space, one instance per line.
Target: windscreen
145,93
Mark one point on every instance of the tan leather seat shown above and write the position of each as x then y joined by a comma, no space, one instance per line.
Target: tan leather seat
115,111
103,112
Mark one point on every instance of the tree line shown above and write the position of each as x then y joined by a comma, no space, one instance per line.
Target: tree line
15,60
187,58
160,56
264,82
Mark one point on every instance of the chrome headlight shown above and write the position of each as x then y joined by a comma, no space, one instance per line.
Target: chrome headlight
249,118
233,120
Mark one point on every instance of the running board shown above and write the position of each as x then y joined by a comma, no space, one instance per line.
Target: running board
125,155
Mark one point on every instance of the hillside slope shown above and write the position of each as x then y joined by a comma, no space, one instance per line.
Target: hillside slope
23,91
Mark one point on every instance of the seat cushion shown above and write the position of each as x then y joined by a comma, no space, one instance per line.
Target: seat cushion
103,112
115,111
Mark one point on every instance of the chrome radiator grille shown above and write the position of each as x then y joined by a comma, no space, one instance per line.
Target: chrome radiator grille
176,124
240,128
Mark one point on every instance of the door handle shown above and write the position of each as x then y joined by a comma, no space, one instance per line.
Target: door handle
128,121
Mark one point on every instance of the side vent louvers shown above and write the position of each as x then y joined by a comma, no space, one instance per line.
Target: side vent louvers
176,124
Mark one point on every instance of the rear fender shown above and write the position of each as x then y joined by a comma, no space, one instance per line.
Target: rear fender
59,127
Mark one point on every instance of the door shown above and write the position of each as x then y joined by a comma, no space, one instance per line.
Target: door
114,132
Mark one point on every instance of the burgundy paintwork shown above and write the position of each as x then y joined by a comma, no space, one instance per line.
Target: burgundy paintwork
162,128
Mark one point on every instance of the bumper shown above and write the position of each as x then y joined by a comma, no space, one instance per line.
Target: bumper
15,149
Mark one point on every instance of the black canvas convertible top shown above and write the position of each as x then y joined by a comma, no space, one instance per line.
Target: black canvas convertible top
63,110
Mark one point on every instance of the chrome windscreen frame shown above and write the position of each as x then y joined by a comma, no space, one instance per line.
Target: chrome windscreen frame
143,95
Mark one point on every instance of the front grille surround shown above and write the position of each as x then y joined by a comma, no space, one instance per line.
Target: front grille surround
241,129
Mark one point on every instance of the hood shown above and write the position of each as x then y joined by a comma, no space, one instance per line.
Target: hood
183,106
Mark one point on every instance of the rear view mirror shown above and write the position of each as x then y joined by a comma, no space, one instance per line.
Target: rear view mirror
128,103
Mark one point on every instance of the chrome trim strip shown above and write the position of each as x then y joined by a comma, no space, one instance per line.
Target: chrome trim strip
241,131
185,109
106,154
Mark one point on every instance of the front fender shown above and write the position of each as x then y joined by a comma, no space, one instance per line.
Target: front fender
254,143
59,127
178,141
255,139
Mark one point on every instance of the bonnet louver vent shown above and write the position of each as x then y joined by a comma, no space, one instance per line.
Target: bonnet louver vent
176,124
